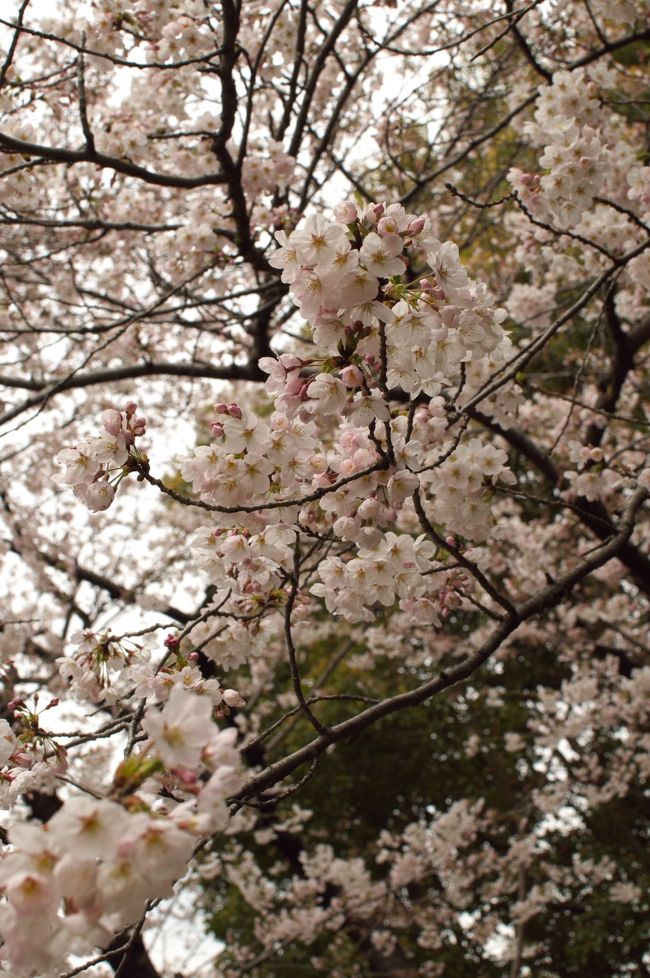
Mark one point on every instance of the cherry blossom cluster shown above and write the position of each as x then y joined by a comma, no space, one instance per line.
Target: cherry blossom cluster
264,173
593,479
92,671
94,866
359,280
96,467
334,451
586,152
250,458
27,753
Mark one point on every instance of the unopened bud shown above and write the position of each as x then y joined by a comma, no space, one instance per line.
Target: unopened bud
232,698
346,212
112,421
373,212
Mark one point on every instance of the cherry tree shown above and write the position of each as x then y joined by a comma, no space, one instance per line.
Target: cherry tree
324,496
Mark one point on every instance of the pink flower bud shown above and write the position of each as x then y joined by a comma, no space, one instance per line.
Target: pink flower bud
234,411
130,409
351,376
172,642
346,212
373,212
112,421
531,180
221,408
217,429
232,698
22,759
289,361
184,775
416,225
369,509
294,383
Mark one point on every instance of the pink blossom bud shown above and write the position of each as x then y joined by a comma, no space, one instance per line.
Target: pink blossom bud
321,481
184,775
217,429
232,698
53,702
130,409
373,212
294,383
172,642
351,376
112,421
23,759
346,212
426,285
221,408
16,703
416,225
234,411
531,180
194,657
289,361
369,509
